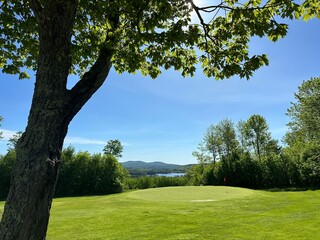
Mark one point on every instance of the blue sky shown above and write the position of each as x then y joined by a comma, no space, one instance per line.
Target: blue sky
165,119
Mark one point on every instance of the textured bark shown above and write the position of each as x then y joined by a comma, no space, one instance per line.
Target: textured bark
28,204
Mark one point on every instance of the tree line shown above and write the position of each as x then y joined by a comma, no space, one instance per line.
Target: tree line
246,155
81,173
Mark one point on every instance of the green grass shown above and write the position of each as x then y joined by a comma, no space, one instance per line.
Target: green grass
188,213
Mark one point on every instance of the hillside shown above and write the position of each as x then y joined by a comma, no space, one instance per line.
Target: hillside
140,168
149,165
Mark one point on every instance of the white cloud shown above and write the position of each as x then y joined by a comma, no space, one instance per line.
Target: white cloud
7,134
86,141
81,140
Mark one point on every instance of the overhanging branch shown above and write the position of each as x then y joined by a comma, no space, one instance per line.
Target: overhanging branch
90,82
93,79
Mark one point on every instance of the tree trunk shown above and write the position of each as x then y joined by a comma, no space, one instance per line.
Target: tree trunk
34,178
28,204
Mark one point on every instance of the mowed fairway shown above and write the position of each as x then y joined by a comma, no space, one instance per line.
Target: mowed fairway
188,213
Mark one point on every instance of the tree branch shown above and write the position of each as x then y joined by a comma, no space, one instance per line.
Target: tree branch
90,82
212,8
95,77
204,25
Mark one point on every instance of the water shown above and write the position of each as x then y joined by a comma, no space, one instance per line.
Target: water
170,174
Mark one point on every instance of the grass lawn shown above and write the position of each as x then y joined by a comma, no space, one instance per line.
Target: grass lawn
187,213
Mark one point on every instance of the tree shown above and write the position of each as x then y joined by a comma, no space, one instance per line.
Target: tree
227,135
201,155
303,137
212,142
58,38
89,174
272,147
257,134
241,135
220,140
114,148
111,175
310,164
305,114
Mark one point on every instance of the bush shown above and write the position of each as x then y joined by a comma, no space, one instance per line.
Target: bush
154,181
310,165
86,174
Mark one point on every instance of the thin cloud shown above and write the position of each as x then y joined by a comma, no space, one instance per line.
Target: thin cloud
81,140
87,141
7,134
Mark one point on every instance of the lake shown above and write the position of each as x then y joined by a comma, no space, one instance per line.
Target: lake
170,174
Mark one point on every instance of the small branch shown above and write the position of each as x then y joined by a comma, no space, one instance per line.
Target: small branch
210,9
203,24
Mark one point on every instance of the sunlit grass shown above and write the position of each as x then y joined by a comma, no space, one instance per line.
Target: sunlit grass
188,213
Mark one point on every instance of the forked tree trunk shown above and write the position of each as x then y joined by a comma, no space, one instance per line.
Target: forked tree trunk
28,204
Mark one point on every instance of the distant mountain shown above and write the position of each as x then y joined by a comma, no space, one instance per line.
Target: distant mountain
149,165
140,168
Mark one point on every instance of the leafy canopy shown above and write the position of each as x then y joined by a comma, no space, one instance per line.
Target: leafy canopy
257,134
114,148
151,35
304,113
